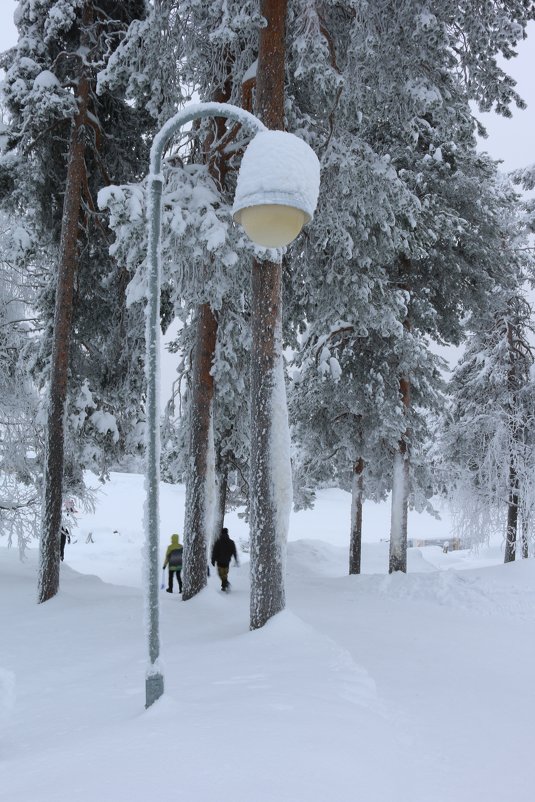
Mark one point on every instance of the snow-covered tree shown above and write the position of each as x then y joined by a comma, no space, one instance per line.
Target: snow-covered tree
427,220
205,281
486,443
63,143
200,259
396,250
21,436
231,411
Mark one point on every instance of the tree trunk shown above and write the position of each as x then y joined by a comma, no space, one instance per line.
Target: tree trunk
355,542
270,452
49,559
512,516
512,504
524,529
197,525
221,482
398,524
400,497
270,449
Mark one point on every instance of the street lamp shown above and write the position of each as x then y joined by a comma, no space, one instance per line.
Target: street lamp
277,188
276,195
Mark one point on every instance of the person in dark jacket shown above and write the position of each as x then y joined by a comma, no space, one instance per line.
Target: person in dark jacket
65,538
223,550
173,559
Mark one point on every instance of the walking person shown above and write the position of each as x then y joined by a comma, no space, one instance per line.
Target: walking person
65,538
173,559
223,550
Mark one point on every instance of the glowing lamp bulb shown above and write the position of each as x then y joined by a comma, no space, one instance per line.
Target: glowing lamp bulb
272,225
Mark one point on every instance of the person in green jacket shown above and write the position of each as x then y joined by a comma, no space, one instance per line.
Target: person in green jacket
173,559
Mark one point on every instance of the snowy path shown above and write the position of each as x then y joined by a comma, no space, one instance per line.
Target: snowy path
452,659
412,688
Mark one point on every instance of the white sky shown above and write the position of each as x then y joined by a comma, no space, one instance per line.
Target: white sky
512,141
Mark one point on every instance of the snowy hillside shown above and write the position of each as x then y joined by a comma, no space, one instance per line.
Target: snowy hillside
378,688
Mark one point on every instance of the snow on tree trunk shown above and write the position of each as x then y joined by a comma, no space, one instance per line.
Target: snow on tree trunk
524,535
355,541
512,516
270,449
270,440
221,483
398,522
513,482
49,558
400,484
200,476
201,490
210,490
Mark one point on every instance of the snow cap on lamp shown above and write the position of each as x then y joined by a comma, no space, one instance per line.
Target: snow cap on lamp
278,169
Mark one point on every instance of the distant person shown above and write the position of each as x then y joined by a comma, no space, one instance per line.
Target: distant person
223,550
65,538
173,559
446,546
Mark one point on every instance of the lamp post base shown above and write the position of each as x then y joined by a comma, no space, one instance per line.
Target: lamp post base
153,689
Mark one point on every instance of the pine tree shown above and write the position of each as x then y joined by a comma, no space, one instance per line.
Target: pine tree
400,179
63,141
206,289
486,443
426,217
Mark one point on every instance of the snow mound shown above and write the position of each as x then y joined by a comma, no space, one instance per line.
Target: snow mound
469,590
317,557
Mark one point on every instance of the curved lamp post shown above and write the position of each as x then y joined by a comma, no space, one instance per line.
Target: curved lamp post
276,195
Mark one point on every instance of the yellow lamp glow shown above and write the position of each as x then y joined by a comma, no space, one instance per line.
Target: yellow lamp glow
271,225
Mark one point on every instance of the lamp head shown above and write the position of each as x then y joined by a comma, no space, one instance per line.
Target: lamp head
277,189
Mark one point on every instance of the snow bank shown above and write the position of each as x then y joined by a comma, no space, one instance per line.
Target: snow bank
424,673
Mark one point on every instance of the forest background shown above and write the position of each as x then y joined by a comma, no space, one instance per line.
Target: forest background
425,386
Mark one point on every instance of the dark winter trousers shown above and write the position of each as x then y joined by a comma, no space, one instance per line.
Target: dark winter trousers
222,570
179,578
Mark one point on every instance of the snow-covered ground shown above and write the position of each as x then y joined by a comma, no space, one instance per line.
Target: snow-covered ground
415,688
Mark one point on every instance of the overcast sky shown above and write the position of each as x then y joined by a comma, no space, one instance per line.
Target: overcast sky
512,141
